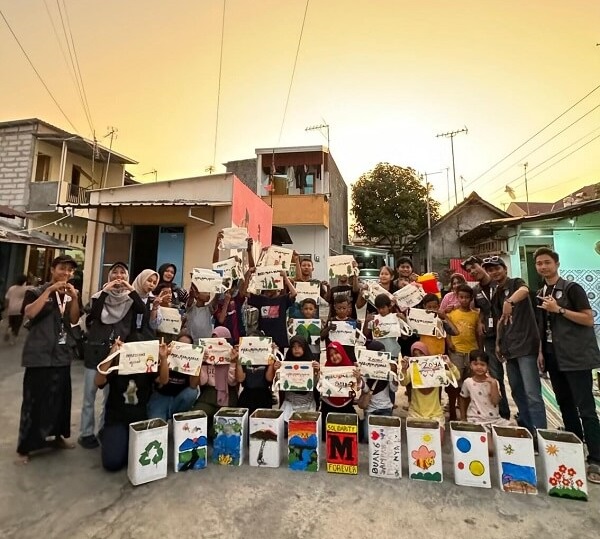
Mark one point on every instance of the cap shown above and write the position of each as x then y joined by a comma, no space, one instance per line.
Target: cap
64,259
471,260
117,264
493,261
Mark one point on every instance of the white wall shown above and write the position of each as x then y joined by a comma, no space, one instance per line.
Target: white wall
313,240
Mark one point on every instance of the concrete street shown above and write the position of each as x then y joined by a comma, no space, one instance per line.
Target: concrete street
66,494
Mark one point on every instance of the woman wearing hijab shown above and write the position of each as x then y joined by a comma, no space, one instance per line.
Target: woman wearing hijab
166,274
145,324
110,316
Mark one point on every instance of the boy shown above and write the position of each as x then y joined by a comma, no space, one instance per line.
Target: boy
467,338
331,332
347,286
311,332
200,309
384,307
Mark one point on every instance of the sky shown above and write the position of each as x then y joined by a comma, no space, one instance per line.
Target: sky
387,76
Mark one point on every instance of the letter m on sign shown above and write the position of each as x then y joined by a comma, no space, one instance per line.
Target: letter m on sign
342,448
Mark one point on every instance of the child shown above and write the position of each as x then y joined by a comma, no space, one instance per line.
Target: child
256,385
468,337
425,403
200,309
126,403
480,395
177,395
384,307
341,306
347,286
450,300
337,357
312,333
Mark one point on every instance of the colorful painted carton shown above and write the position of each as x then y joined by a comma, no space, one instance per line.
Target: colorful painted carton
471,454
563,464
231,428
147,457
424,448
385,447
342,443
267,440
190,451
304,437
515,459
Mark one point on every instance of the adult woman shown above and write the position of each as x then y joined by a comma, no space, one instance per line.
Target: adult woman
450,300
166,274
145,324
111,316
46,410
14,302
386,281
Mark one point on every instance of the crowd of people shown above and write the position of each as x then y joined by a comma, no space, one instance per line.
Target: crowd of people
493,325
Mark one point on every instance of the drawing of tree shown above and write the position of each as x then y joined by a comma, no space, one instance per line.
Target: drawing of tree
264,435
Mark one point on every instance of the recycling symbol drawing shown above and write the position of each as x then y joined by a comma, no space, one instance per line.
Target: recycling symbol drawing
153,453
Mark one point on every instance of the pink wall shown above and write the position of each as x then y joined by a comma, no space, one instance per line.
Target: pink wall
250,211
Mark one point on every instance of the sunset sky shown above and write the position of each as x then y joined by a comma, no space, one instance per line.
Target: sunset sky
386,75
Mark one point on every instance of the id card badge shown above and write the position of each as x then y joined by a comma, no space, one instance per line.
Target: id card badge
62,336
490,322
549,335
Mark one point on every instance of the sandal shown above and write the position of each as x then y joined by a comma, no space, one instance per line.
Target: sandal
593,473
61,443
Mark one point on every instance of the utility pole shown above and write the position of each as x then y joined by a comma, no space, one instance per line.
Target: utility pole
429,241
526,188
451,135
112,133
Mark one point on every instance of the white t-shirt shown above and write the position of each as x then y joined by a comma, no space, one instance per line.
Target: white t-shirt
481,409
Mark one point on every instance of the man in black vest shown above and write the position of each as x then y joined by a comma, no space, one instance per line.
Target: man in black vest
569,351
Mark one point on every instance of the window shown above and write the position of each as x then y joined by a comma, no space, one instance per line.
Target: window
42,169
75,182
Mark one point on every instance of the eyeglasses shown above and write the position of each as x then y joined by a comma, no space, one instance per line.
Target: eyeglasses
493,260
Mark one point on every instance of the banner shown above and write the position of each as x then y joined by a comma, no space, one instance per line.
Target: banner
295,376
234,238
231,268
208,281
340,266
255,350
390,325
277,256
337,382
375,365
307,289
216,351
309,328
373,290
170,321
409,296
426,323
134,358
430,371
186,358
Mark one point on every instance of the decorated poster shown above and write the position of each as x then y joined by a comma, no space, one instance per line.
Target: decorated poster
341,443
170,321
309,328
134,358
337,382
373,290
231,268
429,371
255,350
295,376
234,238
267,278
216,351
426,323
186,358
390,325
307,289
409,296
277,256
341,266
344,332
208,281
375,365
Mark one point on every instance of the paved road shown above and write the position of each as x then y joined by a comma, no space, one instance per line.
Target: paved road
66,494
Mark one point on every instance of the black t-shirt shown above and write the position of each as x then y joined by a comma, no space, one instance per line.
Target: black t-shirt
346,291
176,384
255,377
483,296
128,396
272,316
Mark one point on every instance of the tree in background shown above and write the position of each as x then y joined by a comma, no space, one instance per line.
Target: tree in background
390,204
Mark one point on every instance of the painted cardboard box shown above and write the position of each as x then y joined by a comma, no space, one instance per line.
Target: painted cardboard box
515,459
563,464
470,453
267,440
385,447
342,443
304,437
190,441
424,448
147,457
231,428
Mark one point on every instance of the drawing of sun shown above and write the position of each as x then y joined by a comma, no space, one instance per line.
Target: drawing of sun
552,449
427,437
508,449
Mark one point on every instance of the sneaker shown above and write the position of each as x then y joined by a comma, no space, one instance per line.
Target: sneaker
88,442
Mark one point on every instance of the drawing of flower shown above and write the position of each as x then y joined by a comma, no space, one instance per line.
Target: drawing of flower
557,475
225,459
562,468
553,481
571,472
508,449
566,482
552,449
579,483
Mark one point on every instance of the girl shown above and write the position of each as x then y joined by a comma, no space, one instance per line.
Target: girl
256,386
298,401
177,395
386,280
111,314
126,403
337,357
145,324
450,300
166,273
425,403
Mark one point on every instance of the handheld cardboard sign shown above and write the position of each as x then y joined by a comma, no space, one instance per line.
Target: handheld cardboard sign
337,382
307,289
234,238
295,376
277,256
186,358
409,296
216,351
430,371
255,350
426,323
309,328
376,365
341,266
389,325
170,321
134,358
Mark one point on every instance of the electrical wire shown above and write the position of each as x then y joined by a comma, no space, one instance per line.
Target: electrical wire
287,101
219,86
37,72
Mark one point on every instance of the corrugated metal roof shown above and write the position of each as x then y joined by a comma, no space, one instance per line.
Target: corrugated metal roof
150,203
11,213
39,239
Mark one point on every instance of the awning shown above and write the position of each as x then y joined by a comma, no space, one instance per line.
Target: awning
148,203
38,239
11,213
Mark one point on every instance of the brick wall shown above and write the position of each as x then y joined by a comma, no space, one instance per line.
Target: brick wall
245,170
16,160
338,208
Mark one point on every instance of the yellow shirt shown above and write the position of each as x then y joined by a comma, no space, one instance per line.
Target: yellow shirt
435,345
466,323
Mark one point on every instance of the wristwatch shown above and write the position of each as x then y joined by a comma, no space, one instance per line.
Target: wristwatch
562,310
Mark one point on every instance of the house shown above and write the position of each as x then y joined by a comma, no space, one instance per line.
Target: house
307,193
42,167
588,192
446,249
146,225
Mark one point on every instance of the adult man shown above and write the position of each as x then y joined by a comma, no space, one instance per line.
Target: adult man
569,352
304,273
517,343
483,293
404,271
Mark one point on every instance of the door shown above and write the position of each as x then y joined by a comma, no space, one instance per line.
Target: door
170,249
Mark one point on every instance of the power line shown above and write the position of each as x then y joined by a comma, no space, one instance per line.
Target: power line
535,135
37,72
287,101
212,167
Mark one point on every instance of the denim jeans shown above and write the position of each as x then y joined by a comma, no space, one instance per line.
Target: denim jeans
164,406
383,411
497,372
88,411
526,388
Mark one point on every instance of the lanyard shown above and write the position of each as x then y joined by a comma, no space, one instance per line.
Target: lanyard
62,304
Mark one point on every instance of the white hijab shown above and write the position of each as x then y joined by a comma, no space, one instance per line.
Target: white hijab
138,283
